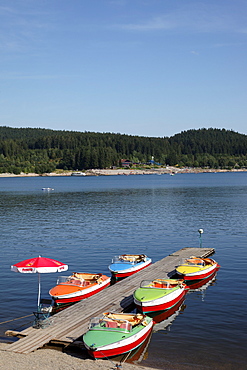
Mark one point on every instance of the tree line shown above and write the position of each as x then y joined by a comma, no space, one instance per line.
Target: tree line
42,150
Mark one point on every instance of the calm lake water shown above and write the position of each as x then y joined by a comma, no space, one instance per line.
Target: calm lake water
85,221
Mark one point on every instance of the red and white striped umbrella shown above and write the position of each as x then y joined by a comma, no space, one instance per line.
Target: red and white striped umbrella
41,265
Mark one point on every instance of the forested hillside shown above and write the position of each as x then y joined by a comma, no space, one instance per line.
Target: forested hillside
41,150
212,148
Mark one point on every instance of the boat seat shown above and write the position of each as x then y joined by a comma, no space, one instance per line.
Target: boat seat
208,261
126,326
74,280
158,285
111,324
195,260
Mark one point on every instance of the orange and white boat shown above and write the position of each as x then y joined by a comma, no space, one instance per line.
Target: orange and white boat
78,286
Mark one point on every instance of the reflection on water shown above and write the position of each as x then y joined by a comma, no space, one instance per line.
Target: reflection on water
137,355
164,320
201,287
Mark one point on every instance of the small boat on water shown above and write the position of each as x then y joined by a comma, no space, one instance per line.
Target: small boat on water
196,268
78,286
128,264
159,294
114,334
78,173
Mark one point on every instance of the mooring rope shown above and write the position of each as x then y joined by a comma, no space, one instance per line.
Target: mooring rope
18,318
122,362
117,366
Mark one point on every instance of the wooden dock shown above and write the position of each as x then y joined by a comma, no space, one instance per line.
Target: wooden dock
70,324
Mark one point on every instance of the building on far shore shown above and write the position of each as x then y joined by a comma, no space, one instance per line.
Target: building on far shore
126,163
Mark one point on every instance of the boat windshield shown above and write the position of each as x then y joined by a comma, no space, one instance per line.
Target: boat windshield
159,283
125,259
105,323
146,284
192,261
70,280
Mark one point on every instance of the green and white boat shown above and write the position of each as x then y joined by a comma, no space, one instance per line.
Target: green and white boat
159,294
114,334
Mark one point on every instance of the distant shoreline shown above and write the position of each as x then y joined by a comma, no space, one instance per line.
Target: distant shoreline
125,171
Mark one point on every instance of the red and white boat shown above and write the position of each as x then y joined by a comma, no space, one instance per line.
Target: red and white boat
196,268
78,286
114,334
159,295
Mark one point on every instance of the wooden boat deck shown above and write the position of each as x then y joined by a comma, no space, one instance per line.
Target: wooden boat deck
70,324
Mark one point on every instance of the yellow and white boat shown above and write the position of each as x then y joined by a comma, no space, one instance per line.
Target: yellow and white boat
196,268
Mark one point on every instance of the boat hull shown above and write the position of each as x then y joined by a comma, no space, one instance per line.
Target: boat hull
197,284
122,346
160,316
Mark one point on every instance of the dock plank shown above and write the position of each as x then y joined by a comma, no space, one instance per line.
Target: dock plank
68,325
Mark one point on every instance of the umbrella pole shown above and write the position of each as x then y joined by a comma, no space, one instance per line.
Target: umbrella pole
38,289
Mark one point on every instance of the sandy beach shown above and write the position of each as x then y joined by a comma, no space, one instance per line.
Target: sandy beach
127,171
50,359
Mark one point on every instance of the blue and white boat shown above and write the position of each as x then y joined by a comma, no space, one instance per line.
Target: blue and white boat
128,264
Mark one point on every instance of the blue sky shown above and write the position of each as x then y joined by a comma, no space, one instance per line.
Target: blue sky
136,67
